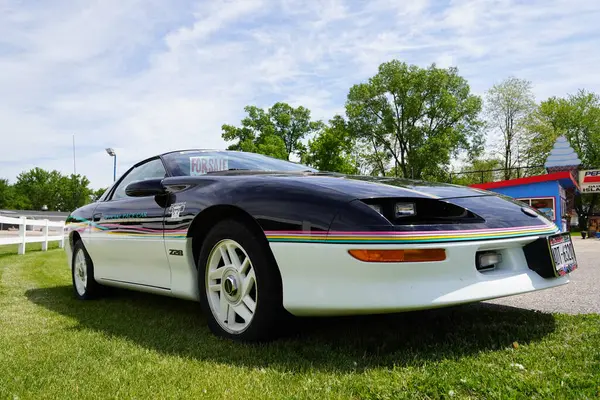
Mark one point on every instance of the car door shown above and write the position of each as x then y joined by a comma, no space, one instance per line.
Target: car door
126,242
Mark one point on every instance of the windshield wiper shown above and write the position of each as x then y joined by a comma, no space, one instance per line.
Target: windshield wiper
224,171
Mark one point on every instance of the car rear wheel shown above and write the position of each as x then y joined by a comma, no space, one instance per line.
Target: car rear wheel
239,284
82,273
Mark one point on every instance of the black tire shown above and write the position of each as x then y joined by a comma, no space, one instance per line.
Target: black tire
92,288
267,321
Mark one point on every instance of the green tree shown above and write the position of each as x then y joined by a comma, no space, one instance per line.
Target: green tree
73,193
372,157
333,149
551,119
508,105
271,145
40,187
5,194
10,199
418,117
276,132
255,124
52,189
96,194
577,117
478,171
292,125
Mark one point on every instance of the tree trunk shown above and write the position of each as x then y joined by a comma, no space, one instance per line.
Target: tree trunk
507,154
507,163
590,210
381,166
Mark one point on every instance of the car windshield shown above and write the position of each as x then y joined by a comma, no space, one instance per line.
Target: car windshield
199,162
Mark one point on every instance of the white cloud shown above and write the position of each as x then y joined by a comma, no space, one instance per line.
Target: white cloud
146,76
211,18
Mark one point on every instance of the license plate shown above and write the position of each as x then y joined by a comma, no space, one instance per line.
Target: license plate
562,253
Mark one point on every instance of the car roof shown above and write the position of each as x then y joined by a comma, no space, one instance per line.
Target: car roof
198,150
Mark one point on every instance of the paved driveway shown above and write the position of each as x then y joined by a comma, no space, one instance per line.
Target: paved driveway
580,296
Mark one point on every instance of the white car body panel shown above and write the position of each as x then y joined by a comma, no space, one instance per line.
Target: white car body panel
181,270
129,259
323,279
184,275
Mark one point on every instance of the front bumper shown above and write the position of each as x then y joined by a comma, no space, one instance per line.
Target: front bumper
323,279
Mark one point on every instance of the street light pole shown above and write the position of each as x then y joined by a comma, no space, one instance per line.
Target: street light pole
111,152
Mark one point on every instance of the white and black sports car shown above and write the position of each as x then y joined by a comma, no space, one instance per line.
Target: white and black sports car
254,238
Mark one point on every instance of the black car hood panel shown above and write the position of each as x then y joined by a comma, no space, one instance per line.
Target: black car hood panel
369,187
360,187
497,210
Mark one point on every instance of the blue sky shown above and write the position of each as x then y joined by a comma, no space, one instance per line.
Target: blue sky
146,76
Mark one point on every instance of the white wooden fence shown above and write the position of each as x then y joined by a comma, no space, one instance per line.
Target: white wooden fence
21,237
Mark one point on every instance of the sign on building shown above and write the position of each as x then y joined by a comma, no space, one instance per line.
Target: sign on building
589,181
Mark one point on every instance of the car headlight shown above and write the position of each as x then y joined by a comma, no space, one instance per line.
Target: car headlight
405,210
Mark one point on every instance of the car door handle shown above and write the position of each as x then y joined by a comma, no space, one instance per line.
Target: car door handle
97,217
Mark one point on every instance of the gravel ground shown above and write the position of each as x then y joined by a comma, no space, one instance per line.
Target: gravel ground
580,296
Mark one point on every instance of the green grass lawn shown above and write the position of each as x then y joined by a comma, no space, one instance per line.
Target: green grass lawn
134,345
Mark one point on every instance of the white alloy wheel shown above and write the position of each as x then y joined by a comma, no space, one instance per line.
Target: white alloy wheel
231,287
85,286
80,272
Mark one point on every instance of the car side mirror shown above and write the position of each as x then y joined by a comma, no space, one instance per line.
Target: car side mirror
148,187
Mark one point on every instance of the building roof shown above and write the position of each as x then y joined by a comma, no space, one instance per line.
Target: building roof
565,178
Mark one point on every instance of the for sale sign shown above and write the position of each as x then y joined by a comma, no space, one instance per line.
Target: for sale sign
589,181
203,164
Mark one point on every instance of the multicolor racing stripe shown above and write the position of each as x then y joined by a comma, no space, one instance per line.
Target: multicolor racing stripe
408,237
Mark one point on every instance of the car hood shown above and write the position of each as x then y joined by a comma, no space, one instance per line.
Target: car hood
497,210
363,187
357,186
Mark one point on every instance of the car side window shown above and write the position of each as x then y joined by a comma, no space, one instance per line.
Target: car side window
151,170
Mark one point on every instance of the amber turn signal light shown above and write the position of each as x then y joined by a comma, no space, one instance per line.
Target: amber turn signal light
406,255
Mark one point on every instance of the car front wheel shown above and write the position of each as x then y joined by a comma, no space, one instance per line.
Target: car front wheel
82,273
239,284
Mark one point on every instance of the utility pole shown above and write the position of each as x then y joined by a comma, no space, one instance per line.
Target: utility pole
111,152
74,185
74,165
